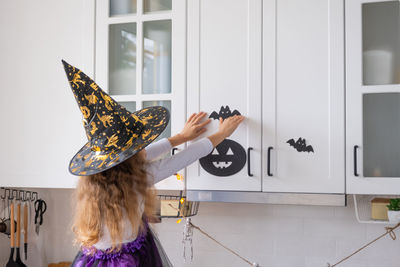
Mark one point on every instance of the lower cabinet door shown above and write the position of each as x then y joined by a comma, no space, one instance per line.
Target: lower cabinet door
303,96
224,78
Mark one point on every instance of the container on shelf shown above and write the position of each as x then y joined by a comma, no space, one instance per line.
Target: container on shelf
363,208
394,216
379,211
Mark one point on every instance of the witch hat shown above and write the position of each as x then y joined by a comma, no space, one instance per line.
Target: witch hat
114,134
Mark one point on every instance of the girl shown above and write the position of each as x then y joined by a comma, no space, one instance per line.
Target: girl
118,167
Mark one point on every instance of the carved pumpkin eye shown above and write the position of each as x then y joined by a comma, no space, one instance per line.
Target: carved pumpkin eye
228,158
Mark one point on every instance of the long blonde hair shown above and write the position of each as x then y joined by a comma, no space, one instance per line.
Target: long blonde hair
102,198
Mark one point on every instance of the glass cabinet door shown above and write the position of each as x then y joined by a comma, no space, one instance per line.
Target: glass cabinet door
381,111
373,96
381,43
381,135
156,5
140,55
122,7
122,59
157,57
134,53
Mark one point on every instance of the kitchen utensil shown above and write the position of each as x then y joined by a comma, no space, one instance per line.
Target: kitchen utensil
11,262
26,230
3,200
5,227
18,260
40,209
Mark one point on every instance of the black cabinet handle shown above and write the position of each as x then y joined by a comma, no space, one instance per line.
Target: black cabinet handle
248,162
355,160
269,161
173,153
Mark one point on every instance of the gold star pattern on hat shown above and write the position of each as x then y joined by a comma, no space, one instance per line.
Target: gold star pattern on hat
114,134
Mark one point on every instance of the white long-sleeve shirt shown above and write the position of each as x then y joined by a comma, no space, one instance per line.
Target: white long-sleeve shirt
159,169
163,168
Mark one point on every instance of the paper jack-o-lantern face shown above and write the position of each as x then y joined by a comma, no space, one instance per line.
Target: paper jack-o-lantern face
228,158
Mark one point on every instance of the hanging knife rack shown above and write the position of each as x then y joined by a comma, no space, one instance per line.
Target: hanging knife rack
18,194
9,195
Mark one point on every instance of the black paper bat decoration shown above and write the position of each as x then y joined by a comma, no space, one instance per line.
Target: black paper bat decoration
300,145
224,112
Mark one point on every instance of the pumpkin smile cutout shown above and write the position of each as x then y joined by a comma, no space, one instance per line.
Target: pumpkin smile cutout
227,158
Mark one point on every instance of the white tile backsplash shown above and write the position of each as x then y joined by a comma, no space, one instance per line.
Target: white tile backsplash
272,235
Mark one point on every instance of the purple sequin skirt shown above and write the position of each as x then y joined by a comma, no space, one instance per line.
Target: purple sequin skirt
145,250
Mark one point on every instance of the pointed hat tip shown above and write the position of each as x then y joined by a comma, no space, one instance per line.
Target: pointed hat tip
67,67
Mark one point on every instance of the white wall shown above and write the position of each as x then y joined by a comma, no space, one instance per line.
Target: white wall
272,235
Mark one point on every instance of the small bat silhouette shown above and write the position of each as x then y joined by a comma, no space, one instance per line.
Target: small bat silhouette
300,145
224,112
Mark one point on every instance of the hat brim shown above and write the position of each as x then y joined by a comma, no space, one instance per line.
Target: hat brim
89,162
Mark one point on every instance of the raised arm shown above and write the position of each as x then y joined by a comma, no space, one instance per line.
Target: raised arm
192,129
156,149
164,168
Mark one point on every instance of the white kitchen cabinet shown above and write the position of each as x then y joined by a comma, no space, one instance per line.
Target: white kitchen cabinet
301,47
224,69
372,97
140,59
303,96
41,125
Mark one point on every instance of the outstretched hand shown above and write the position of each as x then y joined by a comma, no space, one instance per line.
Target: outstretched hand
226,128
229,125
193,128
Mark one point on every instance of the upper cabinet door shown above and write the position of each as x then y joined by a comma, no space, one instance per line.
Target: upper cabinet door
224,75
140,58
42,125
373,97
303,96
